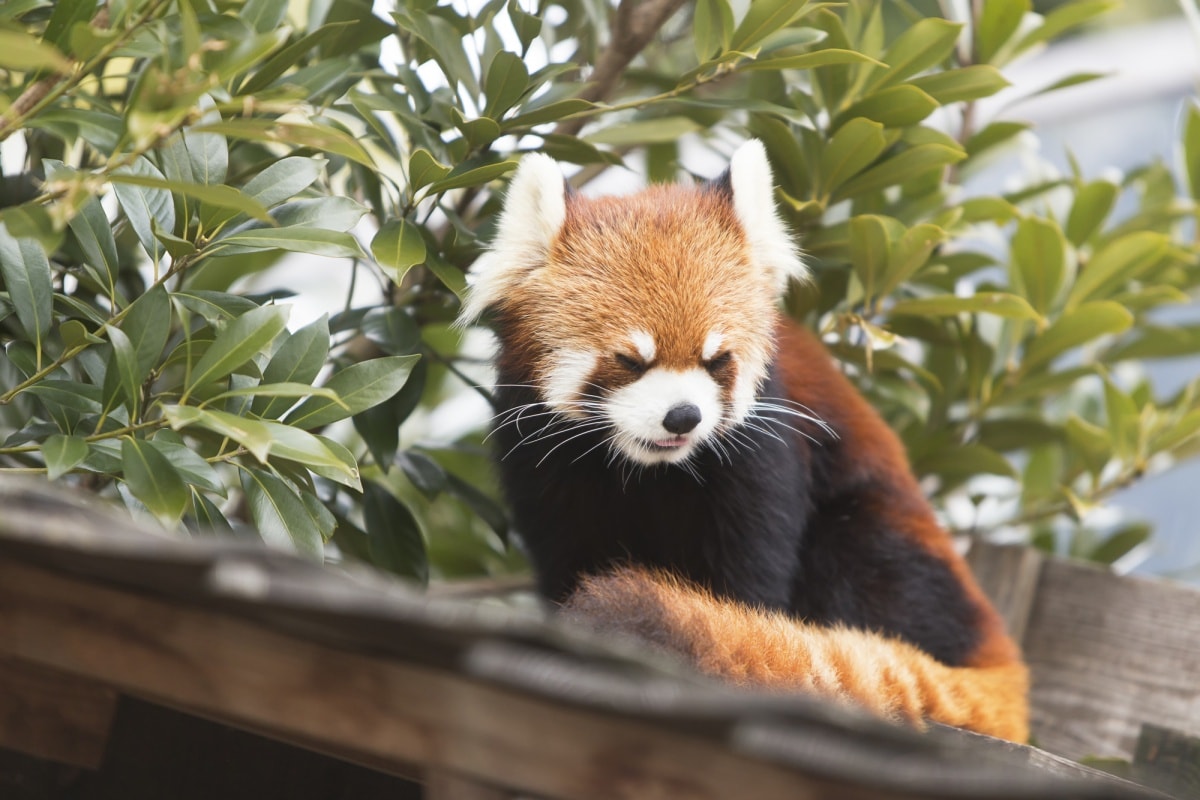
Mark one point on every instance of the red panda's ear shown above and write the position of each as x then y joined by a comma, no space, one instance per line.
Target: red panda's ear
753,189
535,208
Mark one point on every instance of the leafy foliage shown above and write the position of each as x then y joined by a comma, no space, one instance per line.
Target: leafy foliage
174,152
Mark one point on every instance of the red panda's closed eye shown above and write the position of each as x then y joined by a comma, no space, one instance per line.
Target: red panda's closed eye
630,363
718,362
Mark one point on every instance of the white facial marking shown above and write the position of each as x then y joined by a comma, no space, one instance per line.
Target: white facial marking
637,413
535,209
745,392
644,343
771,245
567,378
712,344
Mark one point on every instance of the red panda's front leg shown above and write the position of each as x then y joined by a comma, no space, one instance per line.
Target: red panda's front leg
748,646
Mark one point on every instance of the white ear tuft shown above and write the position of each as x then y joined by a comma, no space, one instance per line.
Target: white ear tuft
535,209
753,186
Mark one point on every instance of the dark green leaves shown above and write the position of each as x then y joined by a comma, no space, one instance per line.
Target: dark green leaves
238,342
359,386
26,273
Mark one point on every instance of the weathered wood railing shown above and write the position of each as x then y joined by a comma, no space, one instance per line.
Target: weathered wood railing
99,617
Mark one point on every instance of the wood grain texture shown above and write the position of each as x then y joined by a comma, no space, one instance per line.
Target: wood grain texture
1108,654
1008,575
440,785
386,711
53,715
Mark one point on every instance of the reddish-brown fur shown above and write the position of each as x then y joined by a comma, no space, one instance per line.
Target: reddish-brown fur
675,262
769,649
668,269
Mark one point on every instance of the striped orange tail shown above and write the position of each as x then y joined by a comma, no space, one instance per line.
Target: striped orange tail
892,678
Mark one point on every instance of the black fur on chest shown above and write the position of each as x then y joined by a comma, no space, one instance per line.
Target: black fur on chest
772,521
730,520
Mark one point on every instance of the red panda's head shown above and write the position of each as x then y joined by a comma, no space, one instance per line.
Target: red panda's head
652,315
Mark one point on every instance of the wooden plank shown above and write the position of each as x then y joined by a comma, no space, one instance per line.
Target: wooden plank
442,785
53,715
1008,575
1108,654
382,710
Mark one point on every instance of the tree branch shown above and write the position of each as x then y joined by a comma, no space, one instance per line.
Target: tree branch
636,24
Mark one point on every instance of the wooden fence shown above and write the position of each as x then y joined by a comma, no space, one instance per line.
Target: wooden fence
143,666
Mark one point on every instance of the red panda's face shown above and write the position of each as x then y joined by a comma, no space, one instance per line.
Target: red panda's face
646,318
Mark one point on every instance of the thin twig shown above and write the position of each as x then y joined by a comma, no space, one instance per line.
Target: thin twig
637,22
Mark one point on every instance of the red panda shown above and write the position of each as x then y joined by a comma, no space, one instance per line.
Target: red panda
685,465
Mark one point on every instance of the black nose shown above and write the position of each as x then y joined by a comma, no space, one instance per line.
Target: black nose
682,418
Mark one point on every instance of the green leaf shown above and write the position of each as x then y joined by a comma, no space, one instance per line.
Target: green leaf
998,22
712,27
146,208
279,514
1093,203
294,238
1118,262
645,131
868,251
314,453
1001,304
398,247
215,195
63,454
962,85
963,461
923,45
830,56
484,507
283,390
422,471
148,324
527,26
763,18
910,164
1091,443
1039,262
1123,421
1191,148
1155,341
93,233
451,276
127,382
1063,19
206,517
27,278
153,480
238,342
299,359
506,82
424,169
849,151
1080,325
1120,543
263,15
283,180
318,137
188,463
23,53
895,107
472,177
394,536
360,386
909,254
534,114
249,433
81,397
